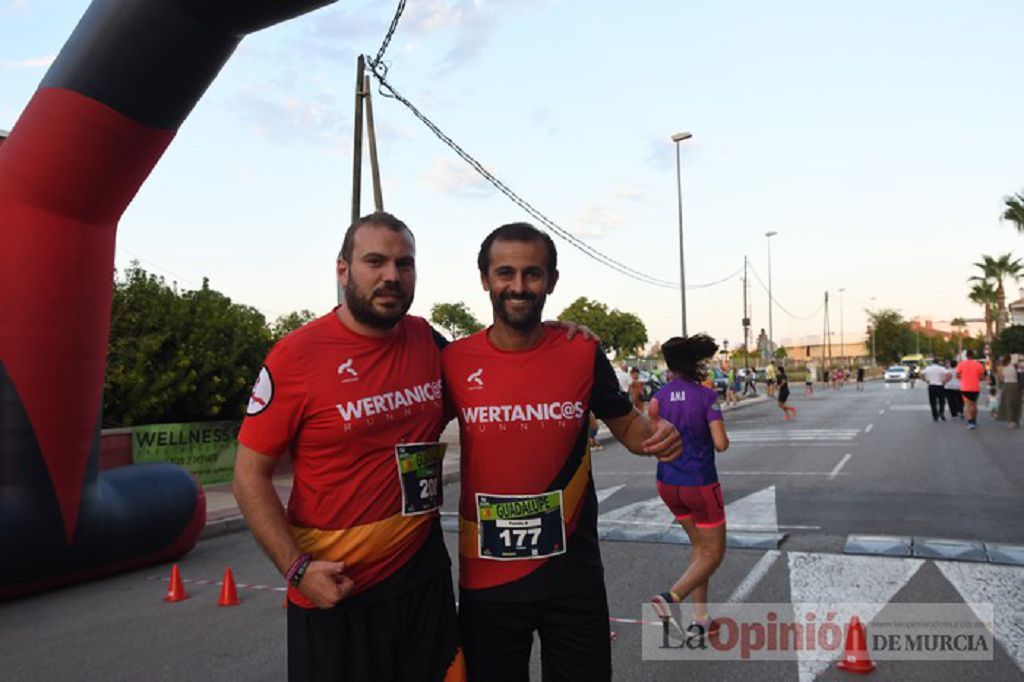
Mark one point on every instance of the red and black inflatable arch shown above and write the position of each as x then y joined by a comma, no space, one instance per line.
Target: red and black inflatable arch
103,115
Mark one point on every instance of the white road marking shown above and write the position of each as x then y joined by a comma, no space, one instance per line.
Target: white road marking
777,445
1001,586
754,512
651,512
759,570
868,428
776,473
841,583
835,472
881,412
726,473
605,493
757,510
791,435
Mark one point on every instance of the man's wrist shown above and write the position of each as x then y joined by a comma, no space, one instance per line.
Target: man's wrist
293,576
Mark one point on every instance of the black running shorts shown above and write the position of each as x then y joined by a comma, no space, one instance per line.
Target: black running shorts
408,637
575,637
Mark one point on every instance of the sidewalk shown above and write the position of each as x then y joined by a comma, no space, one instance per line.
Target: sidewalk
223,515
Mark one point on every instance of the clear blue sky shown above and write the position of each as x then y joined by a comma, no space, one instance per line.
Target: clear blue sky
878,138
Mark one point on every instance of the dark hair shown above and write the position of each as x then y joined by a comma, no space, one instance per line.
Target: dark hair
970,354
378,219
516,232
688,356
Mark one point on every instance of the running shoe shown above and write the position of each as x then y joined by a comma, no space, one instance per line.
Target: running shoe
662,606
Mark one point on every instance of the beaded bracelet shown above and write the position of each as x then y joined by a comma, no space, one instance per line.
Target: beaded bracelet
298,569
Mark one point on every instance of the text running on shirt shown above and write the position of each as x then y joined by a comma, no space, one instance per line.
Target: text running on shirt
497,414
391,401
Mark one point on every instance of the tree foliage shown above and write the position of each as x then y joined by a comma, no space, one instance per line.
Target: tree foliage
179,356
455,318
1011,340
1015,210
890,334
286,324
621,332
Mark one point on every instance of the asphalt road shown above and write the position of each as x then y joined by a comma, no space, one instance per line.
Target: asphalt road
904,475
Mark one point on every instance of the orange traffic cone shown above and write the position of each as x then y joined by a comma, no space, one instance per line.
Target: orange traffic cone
856,658
176,589
228,593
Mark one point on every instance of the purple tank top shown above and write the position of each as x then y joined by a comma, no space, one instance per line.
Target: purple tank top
691,407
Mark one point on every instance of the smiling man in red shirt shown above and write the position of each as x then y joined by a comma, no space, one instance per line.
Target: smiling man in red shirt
528,549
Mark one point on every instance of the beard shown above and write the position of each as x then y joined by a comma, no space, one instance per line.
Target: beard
379,315
521,319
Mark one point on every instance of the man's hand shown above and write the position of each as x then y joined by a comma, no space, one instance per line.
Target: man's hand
573,328
325,583
665,443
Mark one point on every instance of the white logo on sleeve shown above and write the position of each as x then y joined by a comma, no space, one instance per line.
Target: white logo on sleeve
346,368
475,378
262,393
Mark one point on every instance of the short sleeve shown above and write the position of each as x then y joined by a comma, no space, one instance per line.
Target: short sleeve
276,404
607,400
713,411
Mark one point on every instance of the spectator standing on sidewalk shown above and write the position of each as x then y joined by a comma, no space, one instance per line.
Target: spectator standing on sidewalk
860,377
732,387
636,389
953,397
936,376
749,382
809,380
769,378
1010,399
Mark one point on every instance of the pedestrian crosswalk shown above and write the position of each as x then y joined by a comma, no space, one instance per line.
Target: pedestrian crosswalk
791,435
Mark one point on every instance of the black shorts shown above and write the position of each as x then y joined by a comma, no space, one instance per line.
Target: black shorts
575,637
971,395
408,637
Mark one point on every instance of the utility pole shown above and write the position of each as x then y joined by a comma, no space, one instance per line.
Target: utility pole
746,319
828,331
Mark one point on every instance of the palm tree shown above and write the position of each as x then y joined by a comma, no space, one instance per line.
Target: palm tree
1015,210
984,294
995,270
959,324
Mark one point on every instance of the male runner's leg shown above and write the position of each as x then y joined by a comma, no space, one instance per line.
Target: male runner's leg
575,637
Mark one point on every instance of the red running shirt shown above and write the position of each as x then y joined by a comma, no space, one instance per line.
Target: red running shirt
523,419
970,373
340,402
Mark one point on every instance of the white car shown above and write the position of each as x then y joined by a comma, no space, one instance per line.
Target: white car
897,373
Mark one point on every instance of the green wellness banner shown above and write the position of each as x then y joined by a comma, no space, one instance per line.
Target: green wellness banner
206,449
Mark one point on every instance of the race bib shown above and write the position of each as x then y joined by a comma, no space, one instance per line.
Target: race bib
419,470
515,527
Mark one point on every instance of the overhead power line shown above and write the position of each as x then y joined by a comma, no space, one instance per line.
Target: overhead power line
379,69
780,306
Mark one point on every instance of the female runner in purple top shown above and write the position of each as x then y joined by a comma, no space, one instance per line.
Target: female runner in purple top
689,485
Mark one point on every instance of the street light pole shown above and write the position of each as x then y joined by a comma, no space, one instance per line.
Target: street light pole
771,330
677,138
874,332
842,334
